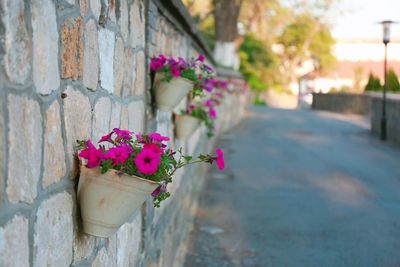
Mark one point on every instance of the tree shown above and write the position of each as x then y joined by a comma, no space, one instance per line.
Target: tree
258,64
392,81
226,14
373,84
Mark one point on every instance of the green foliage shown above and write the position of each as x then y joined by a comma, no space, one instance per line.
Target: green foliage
374,84
200,113
392,81
257,63
306,37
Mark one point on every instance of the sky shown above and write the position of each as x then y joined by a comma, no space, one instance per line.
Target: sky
359,17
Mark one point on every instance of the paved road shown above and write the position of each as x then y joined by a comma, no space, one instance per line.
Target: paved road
302,188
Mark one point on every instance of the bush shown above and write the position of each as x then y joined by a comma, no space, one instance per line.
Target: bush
374,84
392,81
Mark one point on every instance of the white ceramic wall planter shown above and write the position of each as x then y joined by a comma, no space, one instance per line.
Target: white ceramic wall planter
169,94
108,200
185,125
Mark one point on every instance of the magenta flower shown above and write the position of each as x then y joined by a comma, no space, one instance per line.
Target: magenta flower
153,147
158,138
201,58
147,161
106,138
156,65
156,192
92,155
207,103
118,154
212,113
220,159
123,134
182,63
175,71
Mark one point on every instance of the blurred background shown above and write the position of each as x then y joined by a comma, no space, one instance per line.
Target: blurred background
288,49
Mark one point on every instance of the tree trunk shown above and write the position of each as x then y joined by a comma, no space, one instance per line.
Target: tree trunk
226,14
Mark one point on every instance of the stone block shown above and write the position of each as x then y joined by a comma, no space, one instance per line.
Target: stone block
106,48
111,6
25,148
119,59
53,232
128,242
101,118
140,83
72,48
123,20
2,149
83,247
45,46
137,24
115,121
91,56
107,256
136,116
124,117
130,73
14,245
84,7
77,113
95,6
17,44
54,157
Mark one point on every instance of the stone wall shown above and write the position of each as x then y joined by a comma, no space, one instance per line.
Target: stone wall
74,69
392,117
343,103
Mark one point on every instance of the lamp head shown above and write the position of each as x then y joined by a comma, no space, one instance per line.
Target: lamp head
386,30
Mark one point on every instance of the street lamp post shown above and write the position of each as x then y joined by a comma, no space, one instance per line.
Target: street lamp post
386,39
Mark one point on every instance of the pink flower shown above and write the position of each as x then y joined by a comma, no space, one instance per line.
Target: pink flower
106,138
118,154
207,103
175,71
220,159
92,155
156,192
212,113
156,65
147,161
201,58
158,138
154,147
123,134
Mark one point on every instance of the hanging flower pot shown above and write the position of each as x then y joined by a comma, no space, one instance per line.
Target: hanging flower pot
108,200
176,78
169,93
116,179
185,125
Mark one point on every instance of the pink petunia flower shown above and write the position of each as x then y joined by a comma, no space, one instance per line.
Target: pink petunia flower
220,159
175,71
207,103
158,138
201,58
212,113
147,161
106,138
118,154
92,155
123,134
154,147
156,65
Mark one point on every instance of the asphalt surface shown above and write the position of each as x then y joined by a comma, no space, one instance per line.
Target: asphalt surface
301,188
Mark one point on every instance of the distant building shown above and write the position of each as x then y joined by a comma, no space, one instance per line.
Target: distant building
356,60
